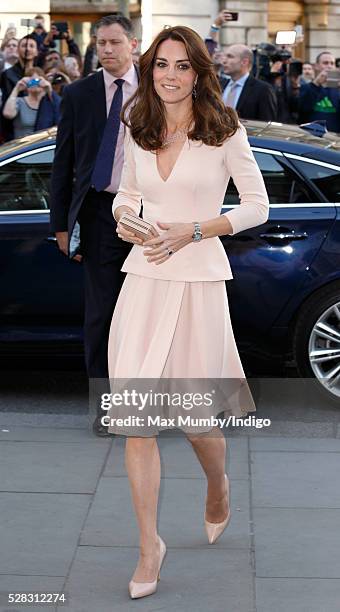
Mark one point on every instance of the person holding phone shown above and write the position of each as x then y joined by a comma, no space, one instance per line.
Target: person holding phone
37,110
212,40
39,33
318,101
55,34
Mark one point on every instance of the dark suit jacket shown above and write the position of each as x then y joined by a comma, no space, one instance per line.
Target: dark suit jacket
82,122
257,101
8,80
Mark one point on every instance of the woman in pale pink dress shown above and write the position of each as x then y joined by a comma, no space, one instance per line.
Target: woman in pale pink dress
172,319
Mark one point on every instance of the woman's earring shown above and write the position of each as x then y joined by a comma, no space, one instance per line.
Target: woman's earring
194,91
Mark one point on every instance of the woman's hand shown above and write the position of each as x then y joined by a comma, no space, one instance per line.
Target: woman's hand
175,237
128,235
21,85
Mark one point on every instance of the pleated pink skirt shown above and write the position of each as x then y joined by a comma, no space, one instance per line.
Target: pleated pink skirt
177,334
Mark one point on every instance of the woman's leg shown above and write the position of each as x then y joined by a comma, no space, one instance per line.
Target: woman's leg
210,449
143,467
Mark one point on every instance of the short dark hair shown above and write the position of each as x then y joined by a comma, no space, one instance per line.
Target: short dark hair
39,17
318,57
108,20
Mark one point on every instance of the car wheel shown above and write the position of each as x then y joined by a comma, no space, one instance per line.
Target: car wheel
316,341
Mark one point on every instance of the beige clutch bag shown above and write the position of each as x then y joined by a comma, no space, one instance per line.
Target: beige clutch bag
141,228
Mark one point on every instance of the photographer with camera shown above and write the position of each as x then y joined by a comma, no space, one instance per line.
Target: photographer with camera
320,99
59,31
58,80
37,110
276,65
39,33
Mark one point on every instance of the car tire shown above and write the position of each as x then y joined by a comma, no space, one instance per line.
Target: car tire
317,309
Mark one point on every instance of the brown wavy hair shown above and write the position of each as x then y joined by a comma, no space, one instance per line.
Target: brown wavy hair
213,122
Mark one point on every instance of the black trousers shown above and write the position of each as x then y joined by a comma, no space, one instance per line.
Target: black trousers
103,256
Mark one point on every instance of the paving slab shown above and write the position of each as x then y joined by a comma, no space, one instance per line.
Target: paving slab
39,532
11,583
178,459
181,510
51,434
294,429
278,443
207,579
37,419
296,479
297,543
297,595
47,467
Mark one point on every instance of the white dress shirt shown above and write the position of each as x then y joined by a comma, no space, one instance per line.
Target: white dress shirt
129,87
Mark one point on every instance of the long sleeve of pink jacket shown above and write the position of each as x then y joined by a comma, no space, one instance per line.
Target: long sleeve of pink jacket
194,191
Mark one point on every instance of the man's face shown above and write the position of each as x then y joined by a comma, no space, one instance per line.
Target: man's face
308,71
232,62
72,68
52,60
11,49
326,62
114,49
27,49
39,25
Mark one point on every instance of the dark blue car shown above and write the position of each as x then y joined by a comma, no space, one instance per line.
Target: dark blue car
285,296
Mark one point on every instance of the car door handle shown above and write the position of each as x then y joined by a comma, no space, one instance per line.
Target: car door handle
284,236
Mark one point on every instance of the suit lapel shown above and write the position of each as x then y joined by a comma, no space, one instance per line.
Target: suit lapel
244,93
98,103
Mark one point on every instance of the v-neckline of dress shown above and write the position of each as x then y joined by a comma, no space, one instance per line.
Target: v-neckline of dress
175,164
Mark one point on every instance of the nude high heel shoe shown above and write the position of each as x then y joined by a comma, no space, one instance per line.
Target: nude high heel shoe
142,589
214,530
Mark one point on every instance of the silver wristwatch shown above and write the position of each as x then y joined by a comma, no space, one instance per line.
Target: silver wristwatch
197,235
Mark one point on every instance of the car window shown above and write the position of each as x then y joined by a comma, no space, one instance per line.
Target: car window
325,179
282,184
25,182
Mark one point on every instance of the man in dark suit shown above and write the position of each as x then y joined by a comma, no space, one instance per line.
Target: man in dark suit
251,97
85,178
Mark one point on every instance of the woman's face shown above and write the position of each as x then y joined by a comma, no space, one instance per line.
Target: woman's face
173,75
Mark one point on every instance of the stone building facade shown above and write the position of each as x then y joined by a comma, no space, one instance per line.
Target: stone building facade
13,11
259,20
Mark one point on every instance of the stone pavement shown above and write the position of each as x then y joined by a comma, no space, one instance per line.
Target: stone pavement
67,523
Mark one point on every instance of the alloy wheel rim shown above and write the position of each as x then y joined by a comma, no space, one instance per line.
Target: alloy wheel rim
324,349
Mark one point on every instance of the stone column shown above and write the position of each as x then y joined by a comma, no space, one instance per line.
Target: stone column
191,13
251,27
323,25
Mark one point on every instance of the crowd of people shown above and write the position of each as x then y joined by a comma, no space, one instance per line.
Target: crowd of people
33,75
